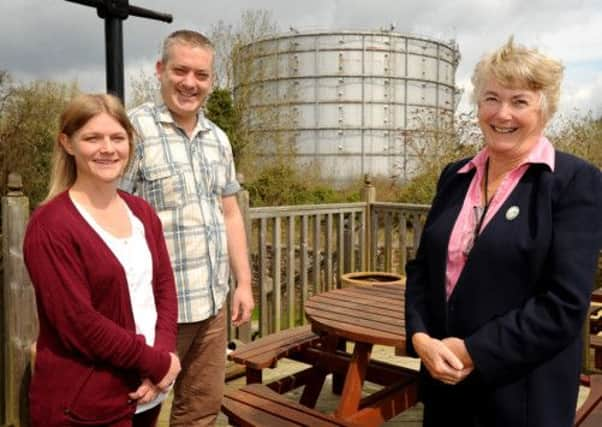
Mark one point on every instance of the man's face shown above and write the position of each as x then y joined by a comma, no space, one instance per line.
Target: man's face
186,79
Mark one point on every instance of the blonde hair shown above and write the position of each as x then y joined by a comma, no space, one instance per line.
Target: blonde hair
77,113
188,37
518,67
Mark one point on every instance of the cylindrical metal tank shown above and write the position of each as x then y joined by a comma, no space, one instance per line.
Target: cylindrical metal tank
353,102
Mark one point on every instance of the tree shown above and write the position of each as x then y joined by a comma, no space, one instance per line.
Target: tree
143,88
229,40
260,141
581,136
28,126
220,109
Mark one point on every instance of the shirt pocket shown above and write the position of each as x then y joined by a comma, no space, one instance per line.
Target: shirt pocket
164,187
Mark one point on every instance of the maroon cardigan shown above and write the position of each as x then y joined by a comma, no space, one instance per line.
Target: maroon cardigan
88,354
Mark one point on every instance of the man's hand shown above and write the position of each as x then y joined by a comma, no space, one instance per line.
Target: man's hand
242,305
145,393
438,359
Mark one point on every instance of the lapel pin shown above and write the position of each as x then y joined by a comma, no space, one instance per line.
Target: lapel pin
512,212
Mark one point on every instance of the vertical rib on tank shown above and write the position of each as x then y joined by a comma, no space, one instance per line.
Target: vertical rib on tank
350,102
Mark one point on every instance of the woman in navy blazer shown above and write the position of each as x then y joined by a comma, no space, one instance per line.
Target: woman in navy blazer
499,289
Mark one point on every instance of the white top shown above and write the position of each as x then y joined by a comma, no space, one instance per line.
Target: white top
134,256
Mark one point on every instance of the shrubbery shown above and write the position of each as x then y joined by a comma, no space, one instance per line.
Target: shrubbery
28,124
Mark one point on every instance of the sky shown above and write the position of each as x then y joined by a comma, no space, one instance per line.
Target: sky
63,41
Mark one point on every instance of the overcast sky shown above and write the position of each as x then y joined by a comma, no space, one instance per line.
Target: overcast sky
64,41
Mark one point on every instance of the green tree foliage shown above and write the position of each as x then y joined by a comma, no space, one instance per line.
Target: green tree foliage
581,136
283,184
220,110
28,124
434,150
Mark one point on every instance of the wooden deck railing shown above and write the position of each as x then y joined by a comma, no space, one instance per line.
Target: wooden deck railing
397,228
297,251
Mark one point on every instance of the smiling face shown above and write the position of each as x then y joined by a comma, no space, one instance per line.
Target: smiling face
100,148
186,79
511,119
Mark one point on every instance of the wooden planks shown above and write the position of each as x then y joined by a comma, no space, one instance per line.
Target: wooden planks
257,405
590,413
265,352
372,314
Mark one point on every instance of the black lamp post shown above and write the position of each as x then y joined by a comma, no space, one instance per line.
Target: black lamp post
114,12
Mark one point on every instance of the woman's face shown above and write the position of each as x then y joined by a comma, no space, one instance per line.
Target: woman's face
101,149
511,119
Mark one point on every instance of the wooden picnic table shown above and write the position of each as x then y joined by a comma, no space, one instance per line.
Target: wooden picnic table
366,315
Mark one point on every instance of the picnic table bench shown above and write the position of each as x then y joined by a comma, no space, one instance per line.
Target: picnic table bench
590,413
266,351
258,405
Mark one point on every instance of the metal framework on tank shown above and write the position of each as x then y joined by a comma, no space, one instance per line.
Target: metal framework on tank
354,100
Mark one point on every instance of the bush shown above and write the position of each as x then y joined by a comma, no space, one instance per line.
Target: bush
28,126
282,184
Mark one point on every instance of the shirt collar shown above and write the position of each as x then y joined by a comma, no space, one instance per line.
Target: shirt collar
164,116
541,153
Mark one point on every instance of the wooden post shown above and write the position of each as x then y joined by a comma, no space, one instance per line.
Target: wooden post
368,195
20,320
244,331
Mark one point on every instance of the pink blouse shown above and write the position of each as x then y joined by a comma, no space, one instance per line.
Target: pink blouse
461,237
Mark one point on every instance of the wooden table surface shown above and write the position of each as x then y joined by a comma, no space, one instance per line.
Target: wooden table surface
371,314
366,315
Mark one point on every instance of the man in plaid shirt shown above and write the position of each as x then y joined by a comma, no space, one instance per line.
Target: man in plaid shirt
183,166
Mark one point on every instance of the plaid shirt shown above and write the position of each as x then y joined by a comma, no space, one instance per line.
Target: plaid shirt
184,179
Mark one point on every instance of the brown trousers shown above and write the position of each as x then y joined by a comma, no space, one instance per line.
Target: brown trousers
199,389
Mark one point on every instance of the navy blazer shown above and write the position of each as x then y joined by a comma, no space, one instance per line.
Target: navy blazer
520,301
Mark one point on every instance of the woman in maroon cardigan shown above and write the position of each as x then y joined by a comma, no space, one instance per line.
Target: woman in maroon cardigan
103,281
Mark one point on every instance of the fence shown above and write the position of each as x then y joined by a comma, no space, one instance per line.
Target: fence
295,251
19,321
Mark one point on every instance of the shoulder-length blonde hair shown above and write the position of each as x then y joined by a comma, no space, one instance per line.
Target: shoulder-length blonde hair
77,113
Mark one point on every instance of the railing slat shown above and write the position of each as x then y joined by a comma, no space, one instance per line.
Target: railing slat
374,241
316,263
264,288
304,262
328,244
362,241
290,288
276,267
403,245
352,241
340,246
388,234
